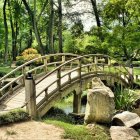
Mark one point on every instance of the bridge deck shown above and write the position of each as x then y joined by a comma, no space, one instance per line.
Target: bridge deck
18,99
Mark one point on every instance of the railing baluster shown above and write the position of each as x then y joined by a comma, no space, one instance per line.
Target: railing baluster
45,64
59,79
79,70
24,75
69,77
63,58
88,68
46,93
95,60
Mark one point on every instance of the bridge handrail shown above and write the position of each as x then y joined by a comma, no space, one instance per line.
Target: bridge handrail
69,61
33,60
57,69
22,75
78,58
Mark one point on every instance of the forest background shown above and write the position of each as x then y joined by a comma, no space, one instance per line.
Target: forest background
76,26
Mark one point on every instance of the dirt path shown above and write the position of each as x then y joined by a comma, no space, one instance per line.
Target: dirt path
31,130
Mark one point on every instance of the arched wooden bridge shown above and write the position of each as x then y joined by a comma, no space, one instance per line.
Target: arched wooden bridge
38,88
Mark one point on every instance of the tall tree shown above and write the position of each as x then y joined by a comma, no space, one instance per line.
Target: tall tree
6,31
34,25
97,17
50,30
60,26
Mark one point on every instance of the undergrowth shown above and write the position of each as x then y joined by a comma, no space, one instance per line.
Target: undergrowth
73,129
13,116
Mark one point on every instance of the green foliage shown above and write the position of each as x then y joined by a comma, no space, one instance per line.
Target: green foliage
124,99
77,132
28,55
13,116
4,70
118,17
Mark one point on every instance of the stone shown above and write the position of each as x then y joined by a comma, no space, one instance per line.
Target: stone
100,105
127,119
137,111
123,133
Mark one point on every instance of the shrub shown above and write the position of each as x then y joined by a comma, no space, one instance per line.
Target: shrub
2,73
13,116
28,55
124,99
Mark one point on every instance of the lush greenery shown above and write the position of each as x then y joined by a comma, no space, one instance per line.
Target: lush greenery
58,26
75,131
13,116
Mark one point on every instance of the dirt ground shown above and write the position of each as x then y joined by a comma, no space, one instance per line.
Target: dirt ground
31,130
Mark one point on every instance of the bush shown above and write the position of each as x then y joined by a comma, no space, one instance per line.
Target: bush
2,73
13,116
58,114
28,55
19,62
124,99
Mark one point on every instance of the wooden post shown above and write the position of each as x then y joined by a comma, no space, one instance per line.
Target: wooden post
45,64
30,95
24,74
137,78
59,79
95,60
76,103
131,74
109,61
79,70
63,59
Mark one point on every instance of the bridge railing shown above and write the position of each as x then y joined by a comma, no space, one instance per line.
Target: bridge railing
48,63
87,64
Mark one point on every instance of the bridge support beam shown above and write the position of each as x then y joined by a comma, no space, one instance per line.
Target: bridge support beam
30,96
76,103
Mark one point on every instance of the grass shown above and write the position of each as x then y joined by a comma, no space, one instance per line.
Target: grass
136,71
73,130
80,132
77,132
4,70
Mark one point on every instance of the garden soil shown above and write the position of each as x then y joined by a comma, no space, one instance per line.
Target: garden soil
31,130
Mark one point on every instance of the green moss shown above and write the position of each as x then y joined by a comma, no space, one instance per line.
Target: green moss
13,116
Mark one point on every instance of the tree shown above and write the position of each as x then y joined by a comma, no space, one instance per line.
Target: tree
123,27
51,26
60,25
32,16
6,31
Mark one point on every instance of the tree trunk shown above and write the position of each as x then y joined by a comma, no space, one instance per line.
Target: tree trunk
94,5
6,32
51,25
34,26
60,26
14,36
96,13
30,39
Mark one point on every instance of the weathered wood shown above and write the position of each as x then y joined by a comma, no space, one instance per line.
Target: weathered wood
76,102
63,81
30,97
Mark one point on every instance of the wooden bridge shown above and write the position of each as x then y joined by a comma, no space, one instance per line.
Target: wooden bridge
38,88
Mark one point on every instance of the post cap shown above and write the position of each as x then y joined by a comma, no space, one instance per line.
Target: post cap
131,66
29,75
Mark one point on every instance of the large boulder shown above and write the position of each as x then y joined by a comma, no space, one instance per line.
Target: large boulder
123,133
100,105
127,119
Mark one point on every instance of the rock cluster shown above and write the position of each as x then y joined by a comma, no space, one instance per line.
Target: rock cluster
100,105
126,124
100,108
